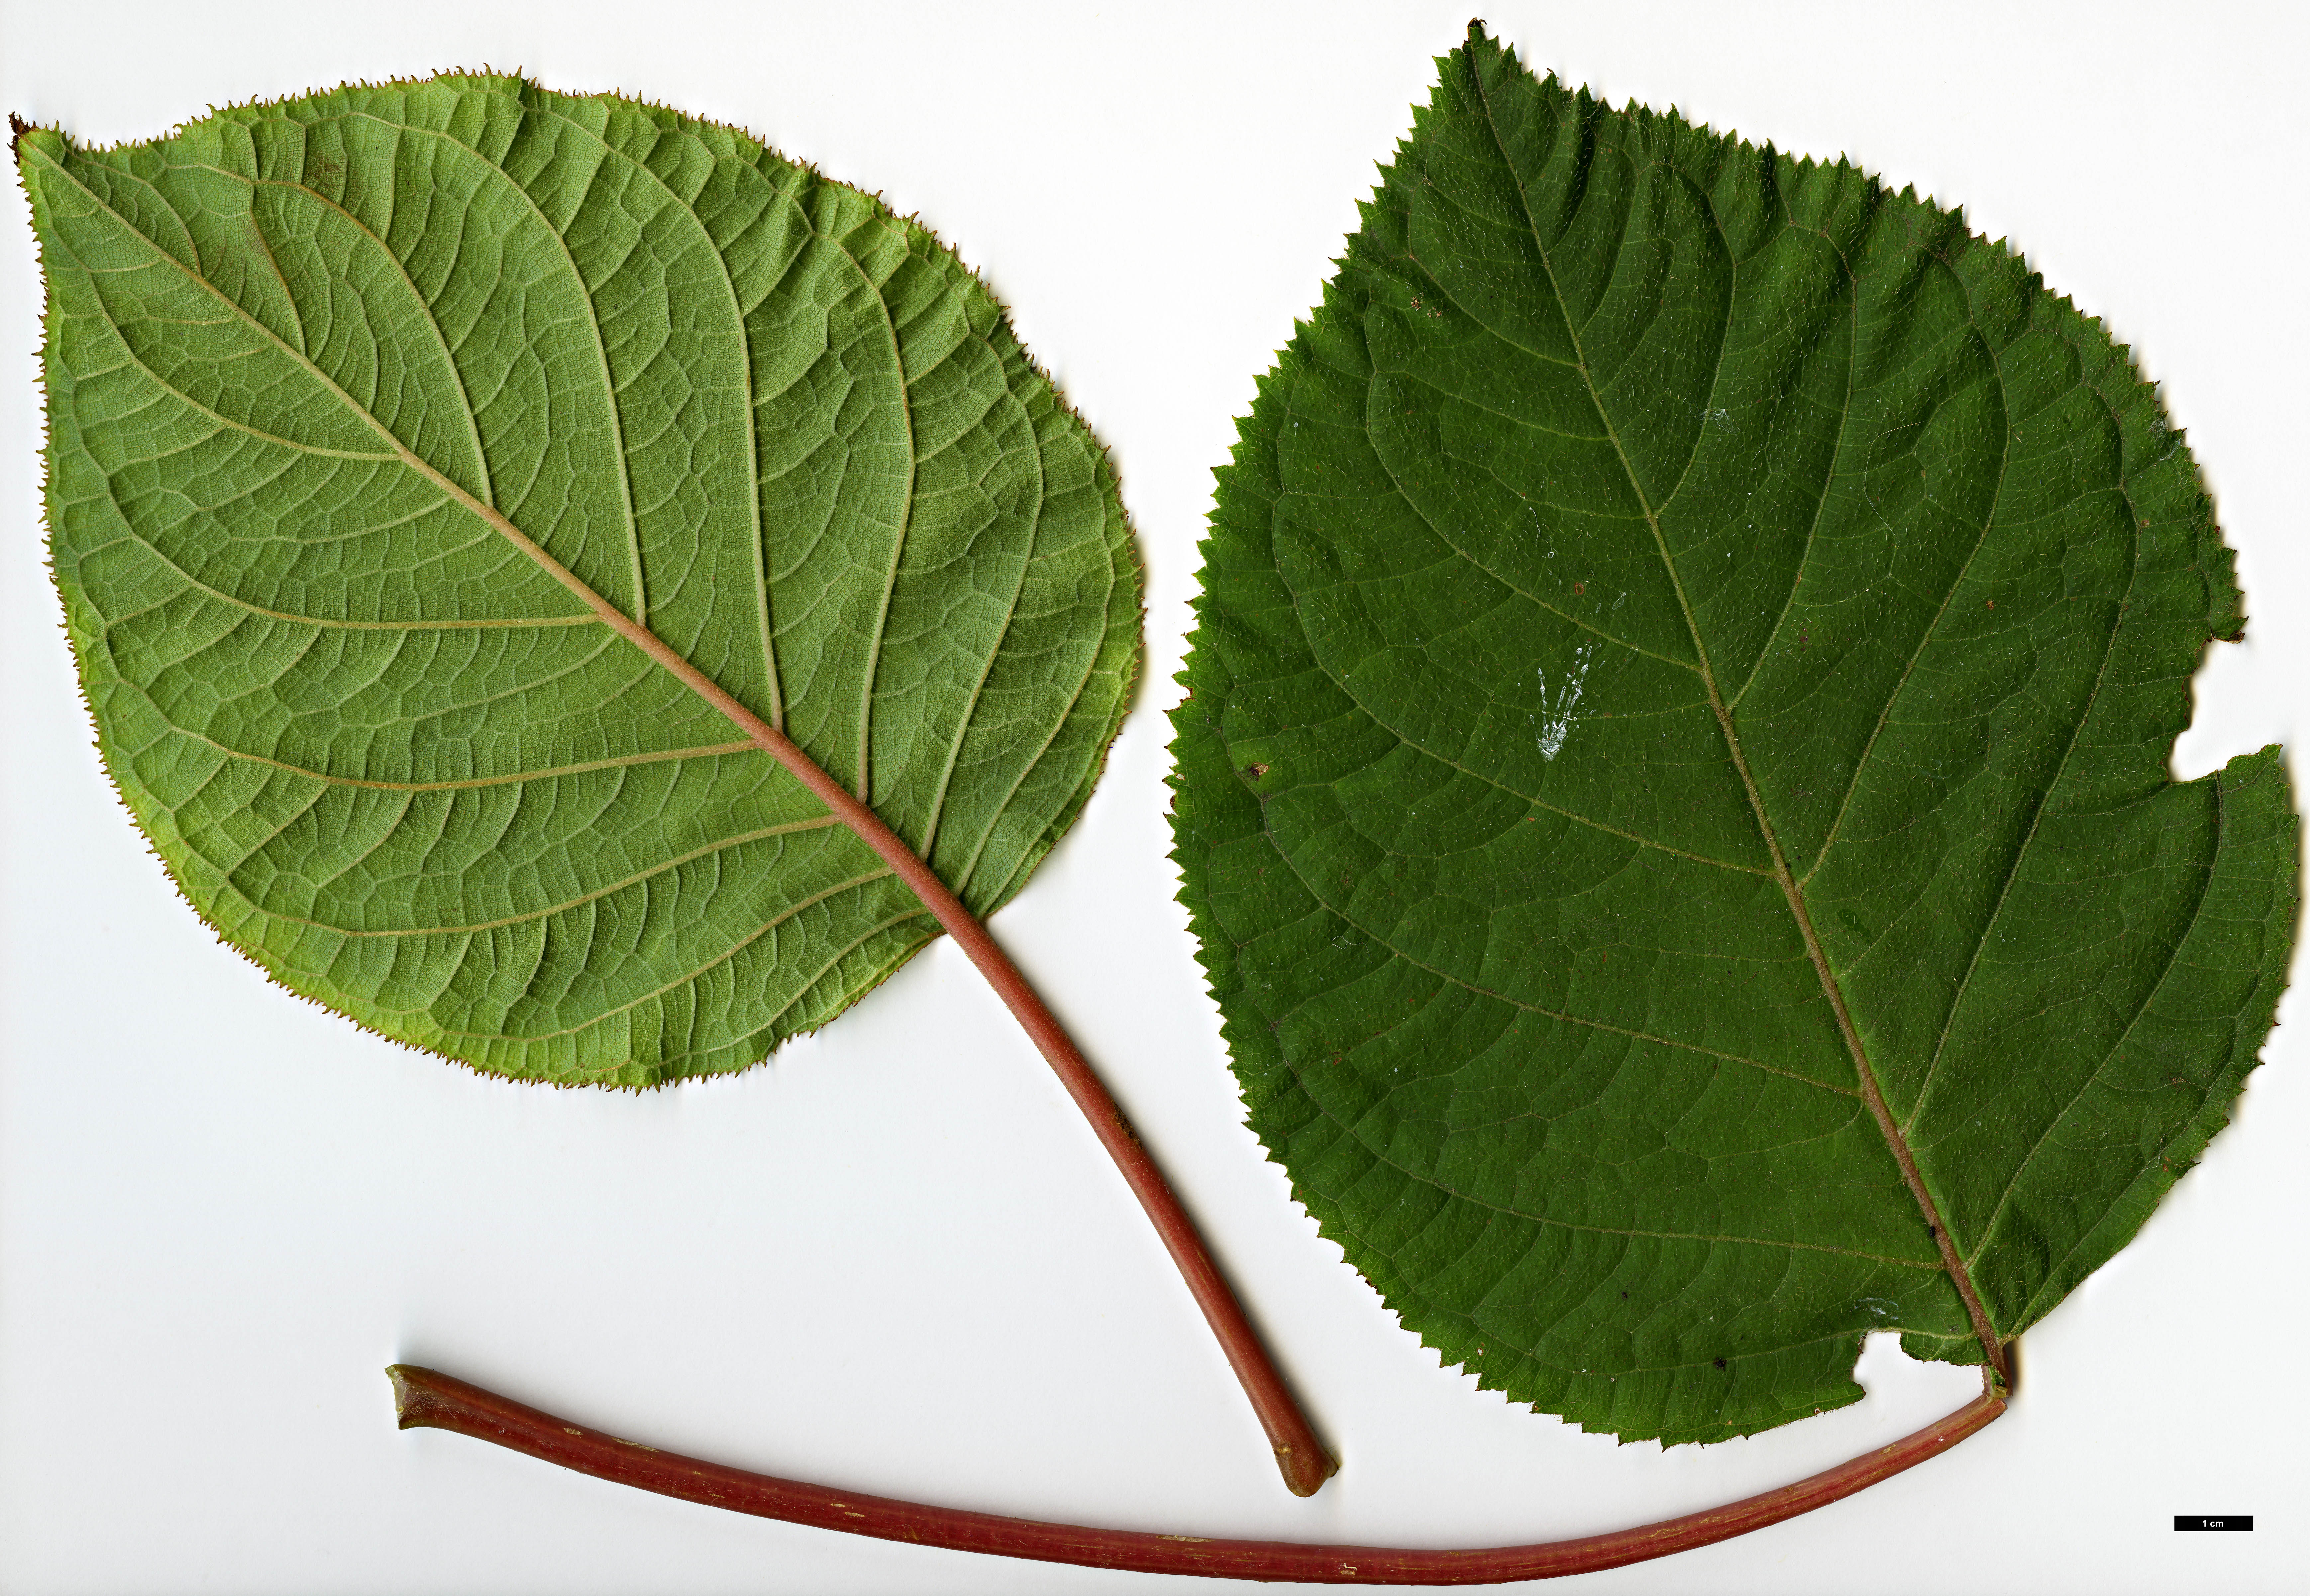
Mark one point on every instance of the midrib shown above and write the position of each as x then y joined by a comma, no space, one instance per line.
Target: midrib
1951,1261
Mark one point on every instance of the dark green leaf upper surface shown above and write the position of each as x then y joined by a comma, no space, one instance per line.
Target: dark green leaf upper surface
1674,789
303,358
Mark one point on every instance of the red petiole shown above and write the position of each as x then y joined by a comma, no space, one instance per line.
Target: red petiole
429,1400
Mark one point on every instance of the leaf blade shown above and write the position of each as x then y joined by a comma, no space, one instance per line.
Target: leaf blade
1587,378
351,715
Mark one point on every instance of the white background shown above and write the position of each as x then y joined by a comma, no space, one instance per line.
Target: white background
894,1260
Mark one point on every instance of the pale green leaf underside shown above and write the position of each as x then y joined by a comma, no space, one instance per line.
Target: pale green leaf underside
388,755
1605,424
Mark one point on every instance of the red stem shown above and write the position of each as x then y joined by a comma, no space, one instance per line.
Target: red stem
427,1399
1305,1463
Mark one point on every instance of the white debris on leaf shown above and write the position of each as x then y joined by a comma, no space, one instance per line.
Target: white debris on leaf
1555,708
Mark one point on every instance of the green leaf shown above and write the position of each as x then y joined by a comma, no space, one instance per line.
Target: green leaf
1673,787
336,384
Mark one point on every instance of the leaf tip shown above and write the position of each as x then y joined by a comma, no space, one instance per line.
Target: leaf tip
19,131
